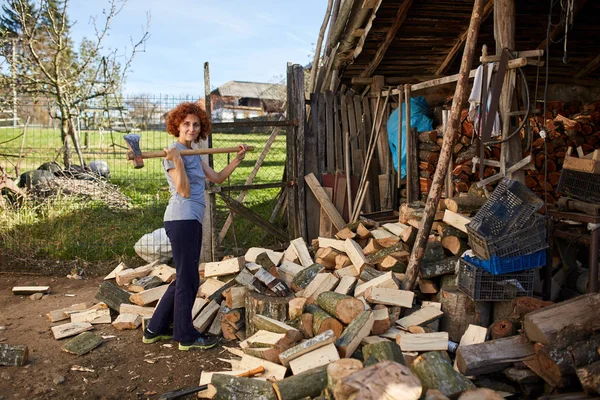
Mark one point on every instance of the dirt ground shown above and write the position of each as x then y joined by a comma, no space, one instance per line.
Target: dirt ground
120,371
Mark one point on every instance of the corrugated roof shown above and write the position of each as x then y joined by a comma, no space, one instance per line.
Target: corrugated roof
253,90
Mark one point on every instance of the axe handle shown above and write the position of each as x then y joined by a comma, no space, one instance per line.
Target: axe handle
177,394
193,152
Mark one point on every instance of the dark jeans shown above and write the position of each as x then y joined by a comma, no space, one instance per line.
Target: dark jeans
176,304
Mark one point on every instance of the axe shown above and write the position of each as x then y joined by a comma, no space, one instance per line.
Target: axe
136,154
178,394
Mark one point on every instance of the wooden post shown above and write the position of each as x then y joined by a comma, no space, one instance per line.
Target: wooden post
504,33
399,147
290,166
300,115
449,185
409,148
446,152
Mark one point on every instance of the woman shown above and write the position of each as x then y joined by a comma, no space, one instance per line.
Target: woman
183,222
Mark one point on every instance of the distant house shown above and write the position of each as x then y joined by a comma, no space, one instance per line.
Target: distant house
239,100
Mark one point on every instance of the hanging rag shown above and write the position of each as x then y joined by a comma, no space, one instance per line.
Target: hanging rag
475,99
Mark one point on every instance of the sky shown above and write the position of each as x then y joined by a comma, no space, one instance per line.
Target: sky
242,40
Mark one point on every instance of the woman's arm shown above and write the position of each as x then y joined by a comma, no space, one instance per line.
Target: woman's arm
178,174
219,177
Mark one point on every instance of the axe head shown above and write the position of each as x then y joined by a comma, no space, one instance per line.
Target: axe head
133,142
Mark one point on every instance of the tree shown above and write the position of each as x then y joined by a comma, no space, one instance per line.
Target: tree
48,63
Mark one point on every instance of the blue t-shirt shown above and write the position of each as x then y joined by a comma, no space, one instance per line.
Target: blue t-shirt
181,208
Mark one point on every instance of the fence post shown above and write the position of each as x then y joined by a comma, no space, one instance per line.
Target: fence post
209,246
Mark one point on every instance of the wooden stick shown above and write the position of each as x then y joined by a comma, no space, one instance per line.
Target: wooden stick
449,185
348,174
409,148
446,151
360,202
399,147
315,64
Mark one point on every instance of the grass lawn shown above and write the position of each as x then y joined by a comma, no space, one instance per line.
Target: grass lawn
64,229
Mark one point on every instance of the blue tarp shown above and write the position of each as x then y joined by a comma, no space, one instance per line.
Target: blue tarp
418,119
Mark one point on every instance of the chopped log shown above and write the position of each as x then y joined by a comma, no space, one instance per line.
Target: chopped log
542,325
70,329
454,245
344,308
383,381
296,305
455,220
12,355
215,327
299,246
235,297
272,307
266,339
589,376
199,303
345,233
387,280
125,276
333,243
338,370
306,325
473,335
273,372
396,228
447,266
165,273
322,321
428,137
383,253
83,343
287,270
377,352
231,387
423,316
427,286
503,328
304,277
465,205
381,320
314,359
307,346
308,384
252,254
372,247
481,394
384,237
409,235
435,372
127,321
269,324
434,252
492,356
362,232
93,316
209,287
390,297
265,261
423,341
342,261
521,376
65,313
368,273
148,296
323,282
354,333
204,319
354,251
145,283
346,285
112,295
347,271
113,273
446,230
460,311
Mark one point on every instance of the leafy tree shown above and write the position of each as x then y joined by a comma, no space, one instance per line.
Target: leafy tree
49,64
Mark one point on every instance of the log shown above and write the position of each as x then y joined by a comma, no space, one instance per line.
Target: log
127,321
447,266
338,370
252,255
589,376
436,372
354,333
423,316
322,321
354,251
322,282
383,381
83,343
344,308
542,325
368,273
460,311
165,273
381,320
390,297
391,263
481,394
308,384
13,355
304,277
377,352
112,295
314,359
465,204
70,329
455,220
113,273
346,285
272,307
307,346
269,324
65,313
93,316
299,247
125,276
503,328
295,307
145,283
231,387
454,245
148,296
492,356
306,325
423,341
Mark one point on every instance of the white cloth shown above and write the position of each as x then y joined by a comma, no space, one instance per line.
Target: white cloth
475,97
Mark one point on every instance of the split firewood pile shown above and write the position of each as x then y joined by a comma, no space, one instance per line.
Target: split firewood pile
567,126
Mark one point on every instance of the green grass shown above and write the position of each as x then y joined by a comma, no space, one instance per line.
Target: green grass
65,229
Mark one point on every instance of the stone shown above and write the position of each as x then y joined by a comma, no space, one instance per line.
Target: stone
36,296
58,380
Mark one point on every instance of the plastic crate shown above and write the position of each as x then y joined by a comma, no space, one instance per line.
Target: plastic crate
509,207
504,265
581,185
481,285
518,242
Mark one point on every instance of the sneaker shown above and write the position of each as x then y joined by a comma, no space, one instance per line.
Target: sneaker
202,343
151,337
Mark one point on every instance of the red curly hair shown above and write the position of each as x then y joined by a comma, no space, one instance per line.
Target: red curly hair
177,115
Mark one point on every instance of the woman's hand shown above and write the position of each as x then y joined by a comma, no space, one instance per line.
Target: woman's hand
242,153
172,154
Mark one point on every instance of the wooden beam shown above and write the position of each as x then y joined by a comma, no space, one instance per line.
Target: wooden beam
367,29
326,204
487,10
390,35
560,28
240,209
588,69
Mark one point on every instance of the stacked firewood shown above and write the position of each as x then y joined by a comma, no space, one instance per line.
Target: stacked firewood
577,127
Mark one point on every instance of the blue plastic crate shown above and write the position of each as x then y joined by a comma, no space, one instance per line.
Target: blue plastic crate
504,265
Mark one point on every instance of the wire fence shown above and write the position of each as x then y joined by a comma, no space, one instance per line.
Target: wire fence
93,214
